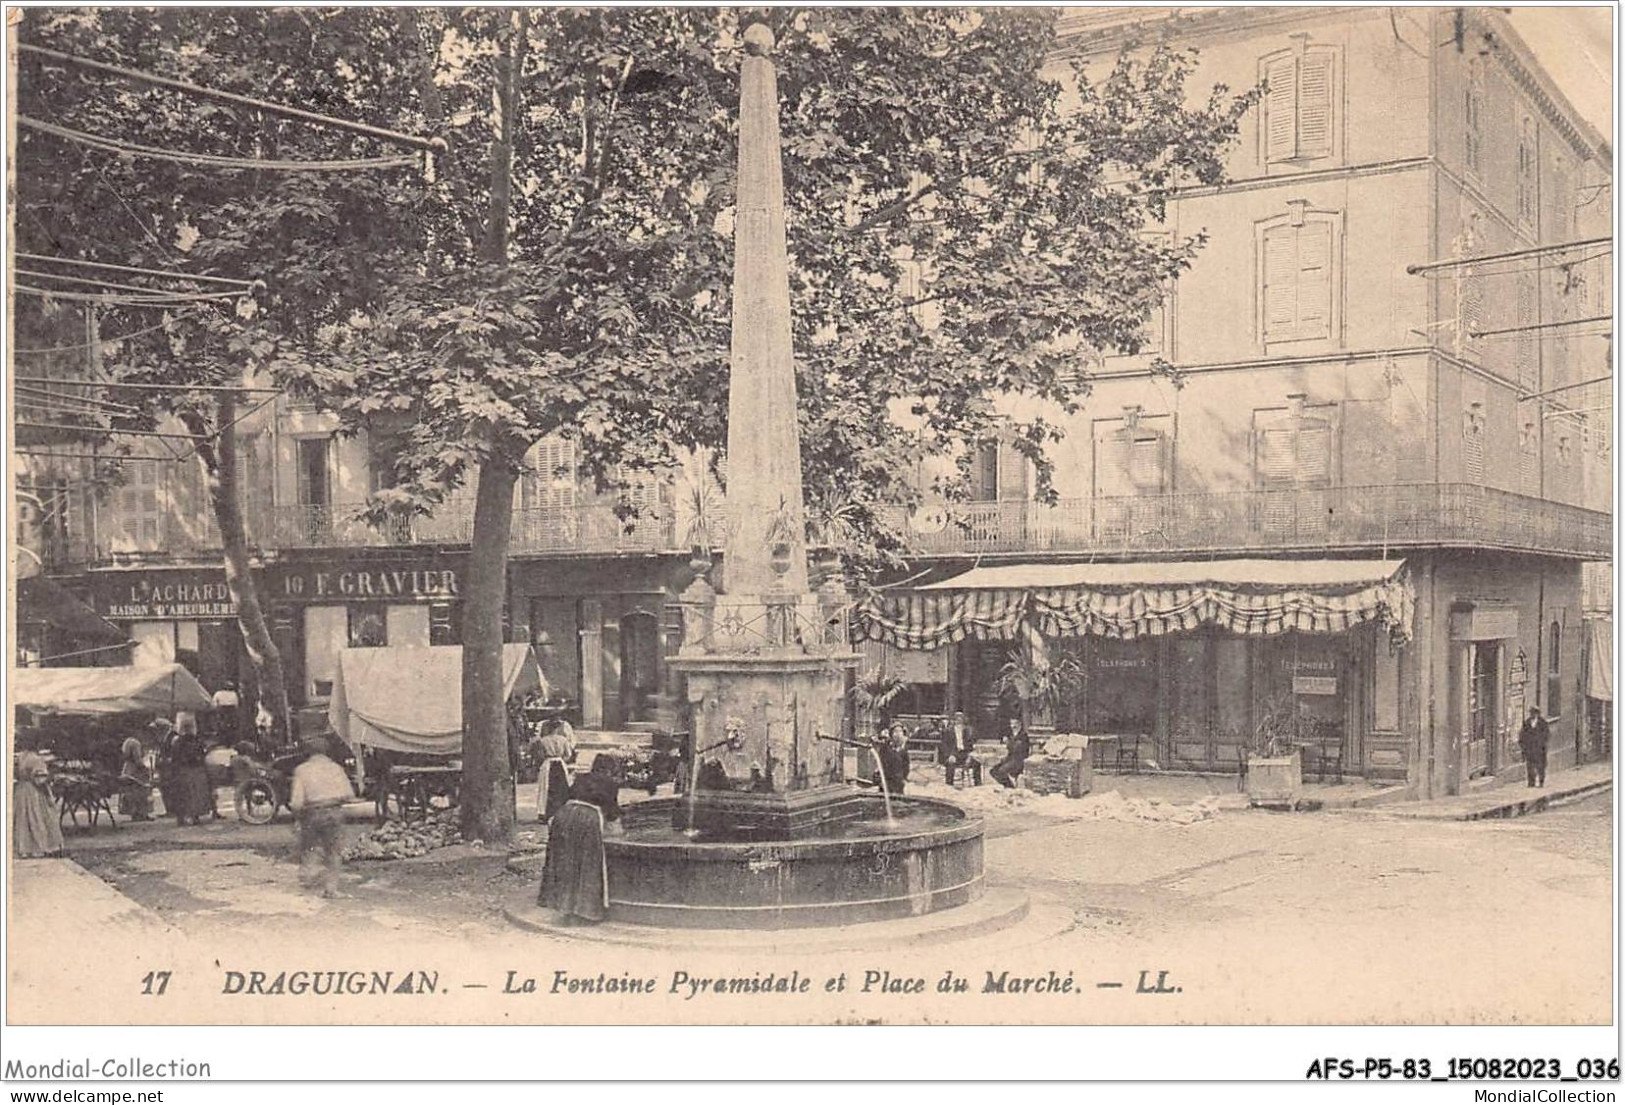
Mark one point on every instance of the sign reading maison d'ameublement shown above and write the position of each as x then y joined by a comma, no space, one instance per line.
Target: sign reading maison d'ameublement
185,595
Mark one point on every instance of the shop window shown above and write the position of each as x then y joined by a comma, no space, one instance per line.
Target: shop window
407,624
1554,672
1472,116
445,628
1297,256
1299,103
368,625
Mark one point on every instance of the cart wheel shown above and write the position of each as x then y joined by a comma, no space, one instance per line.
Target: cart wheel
256,802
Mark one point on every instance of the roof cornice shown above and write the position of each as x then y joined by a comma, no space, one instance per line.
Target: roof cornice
1529,75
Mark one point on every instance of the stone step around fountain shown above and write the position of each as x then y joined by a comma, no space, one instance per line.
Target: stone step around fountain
1006,914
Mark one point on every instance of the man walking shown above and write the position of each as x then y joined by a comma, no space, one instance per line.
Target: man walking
1532,739
320,789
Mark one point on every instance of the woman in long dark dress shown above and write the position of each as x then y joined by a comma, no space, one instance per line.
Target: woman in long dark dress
191,790
575,878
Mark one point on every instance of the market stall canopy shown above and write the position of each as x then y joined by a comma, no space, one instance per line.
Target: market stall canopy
409,699
1600,658
157,689
1124,601
41,600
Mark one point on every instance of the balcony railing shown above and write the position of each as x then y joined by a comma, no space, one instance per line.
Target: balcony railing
1338,518
586,528
1204,523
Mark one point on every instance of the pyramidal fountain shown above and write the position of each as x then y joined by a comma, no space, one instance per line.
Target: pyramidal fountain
770,834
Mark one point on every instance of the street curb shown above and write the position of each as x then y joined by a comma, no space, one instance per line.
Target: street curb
1519,808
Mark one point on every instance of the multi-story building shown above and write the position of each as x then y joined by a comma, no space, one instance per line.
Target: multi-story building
1380,369
1347,384
591,591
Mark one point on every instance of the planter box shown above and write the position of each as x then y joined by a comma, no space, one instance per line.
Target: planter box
1276,781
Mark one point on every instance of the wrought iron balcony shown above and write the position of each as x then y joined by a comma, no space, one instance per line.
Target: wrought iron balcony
583,528
1301,519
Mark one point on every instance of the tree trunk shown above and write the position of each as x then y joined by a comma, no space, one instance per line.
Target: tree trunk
487,796
218,459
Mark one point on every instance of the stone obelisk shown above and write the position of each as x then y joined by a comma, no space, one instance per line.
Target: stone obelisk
764,442
764,657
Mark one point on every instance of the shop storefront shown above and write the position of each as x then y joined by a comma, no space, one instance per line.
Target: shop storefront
178,615
318,607
1176,664
603,631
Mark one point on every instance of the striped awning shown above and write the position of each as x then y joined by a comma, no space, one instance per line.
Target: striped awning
1124,601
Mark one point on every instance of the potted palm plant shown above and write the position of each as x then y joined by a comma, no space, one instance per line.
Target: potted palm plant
1040,686
1274,766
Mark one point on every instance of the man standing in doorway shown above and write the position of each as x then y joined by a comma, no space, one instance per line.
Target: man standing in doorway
1532,739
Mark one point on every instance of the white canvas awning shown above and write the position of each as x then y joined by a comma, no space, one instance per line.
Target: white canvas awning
161,689
410,699
1124,601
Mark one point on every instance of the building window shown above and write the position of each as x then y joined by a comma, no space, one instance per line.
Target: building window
984,474
1299,100
1554,672
1528,460
1131,457
315,457
368,625
1472,115
1297,254
136,506
1524,350
1295,451
1472,442
1528,173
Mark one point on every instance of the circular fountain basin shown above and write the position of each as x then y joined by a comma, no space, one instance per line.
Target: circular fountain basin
865,868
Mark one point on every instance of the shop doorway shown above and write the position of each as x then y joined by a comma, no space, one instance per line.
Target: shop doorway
640,666
1483,708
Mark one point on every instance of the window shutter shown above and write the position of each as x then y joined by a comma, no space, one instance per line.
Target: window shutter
1280,283
1277,459
1315,105
1525,349
1473,450
1146,467
1472,303
1528,469
1280,123
1012,473
1314,292
1113,475
1313,467
985,475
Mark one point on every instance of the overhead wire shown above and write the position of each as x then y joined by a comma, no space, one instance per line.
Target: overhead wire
102,282
214,161
168,273
145,330
158,300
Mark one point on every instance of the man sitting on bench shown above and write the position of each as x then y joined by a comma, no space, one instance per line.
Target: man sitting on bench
954,751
